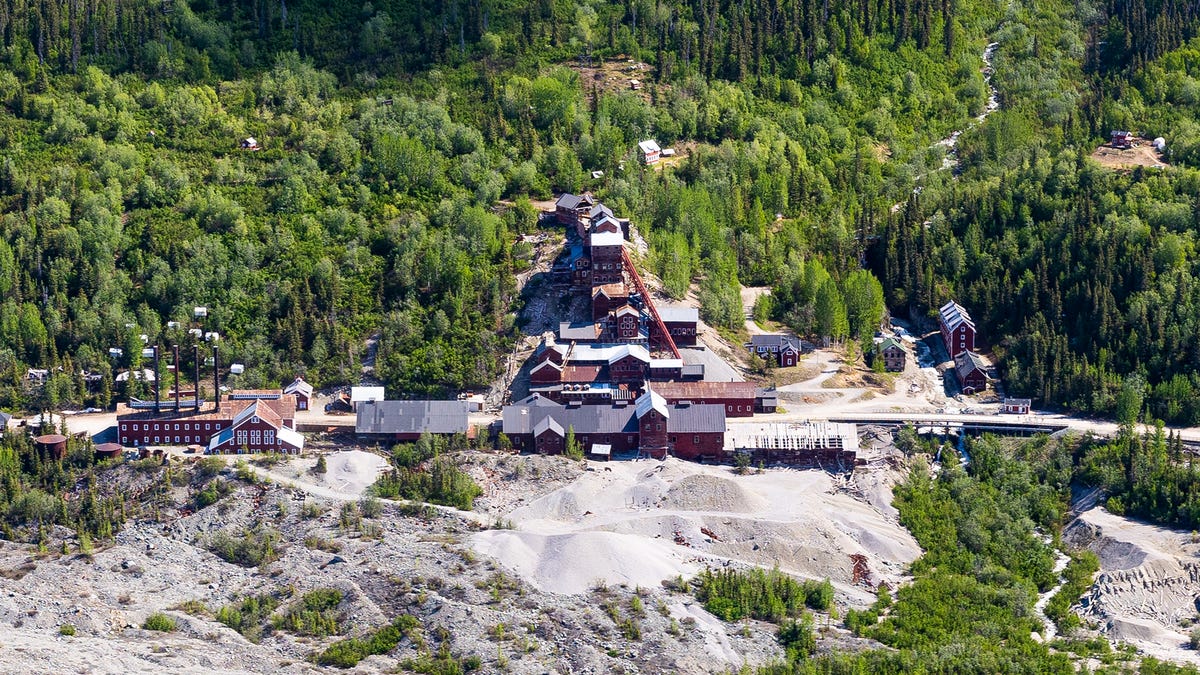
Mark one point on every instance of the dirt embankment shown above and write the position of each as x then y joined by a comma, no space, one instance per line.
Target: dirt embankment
1148,590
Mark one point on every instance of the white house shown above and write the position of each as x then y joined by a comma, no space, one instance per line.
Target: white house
649,151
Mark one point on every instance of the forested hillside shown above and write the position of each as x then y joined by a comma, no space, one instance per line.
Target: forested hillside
392,132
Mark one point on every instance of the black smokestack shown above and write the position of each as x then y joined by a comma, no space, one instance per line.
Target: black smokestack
157,395
175,363
196,379
216,378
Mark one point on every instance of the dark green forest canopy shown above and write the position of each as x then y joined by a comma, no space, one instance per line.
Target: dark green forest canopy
392,131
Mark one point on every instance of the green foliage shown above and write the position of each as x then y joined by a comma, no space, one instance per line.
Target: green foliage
759,594
159,622
421,474
66,629
347,653
1078,575
316,614
249,617
250,548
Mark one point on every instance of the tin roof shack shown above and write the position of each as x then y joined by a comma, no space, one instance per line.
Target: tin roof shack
821,444
407,420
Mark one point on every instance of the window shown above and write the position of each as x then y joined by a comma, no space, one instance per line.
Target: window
269,437
256,438
156,427
206,426
176,426
241,437
176,439
124,441
156,437
696,440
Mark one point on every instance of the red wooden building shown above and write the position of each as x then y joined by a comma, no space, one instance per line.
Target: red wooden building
257,428
141,428
957,328
971,372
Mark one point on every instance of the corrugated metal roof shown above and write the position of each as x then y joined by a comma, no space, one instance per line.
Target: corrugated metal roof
953,315
696,419
652,400
584,419
412,417
691,391
361,394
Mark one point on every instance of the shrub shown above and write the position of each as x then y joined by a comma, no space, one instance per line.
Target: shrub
316,614
253,548
767,596
159,622
66,629
347,653
247,617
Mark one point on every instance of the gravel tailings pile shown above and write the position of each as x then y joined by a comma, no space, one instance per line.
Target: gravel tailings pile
641,522
1149,582
703,492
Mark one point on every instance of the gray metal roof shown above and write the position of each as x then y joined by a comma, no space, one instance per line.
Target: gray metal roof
584,419
696,419
969,361
679,314
775,339
412,417
568,201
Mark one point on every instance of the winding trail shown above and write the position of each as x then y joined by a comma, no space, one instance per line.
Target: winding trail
1060,563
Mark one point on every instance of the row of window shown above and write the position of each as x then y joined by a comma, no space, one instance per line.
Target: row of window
208,426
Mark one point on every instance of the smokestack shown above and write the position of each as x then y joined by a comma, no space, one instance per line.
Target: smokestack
175,362
157,393
196,379
216,378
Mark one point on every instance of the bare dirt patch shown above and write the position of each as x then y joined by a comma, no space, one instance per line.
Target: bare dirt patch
615,75
1141,154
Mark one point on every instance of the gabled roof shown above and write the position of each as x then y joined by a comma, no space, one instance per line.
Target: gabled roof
776,340
614,290
412,417
567,201
626,309
1018,401
299,386
954,315
259,409
696,419
606,223
546,364
651,400
636,351
648,146
599,210
584,419
548,424
967,362
892,342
